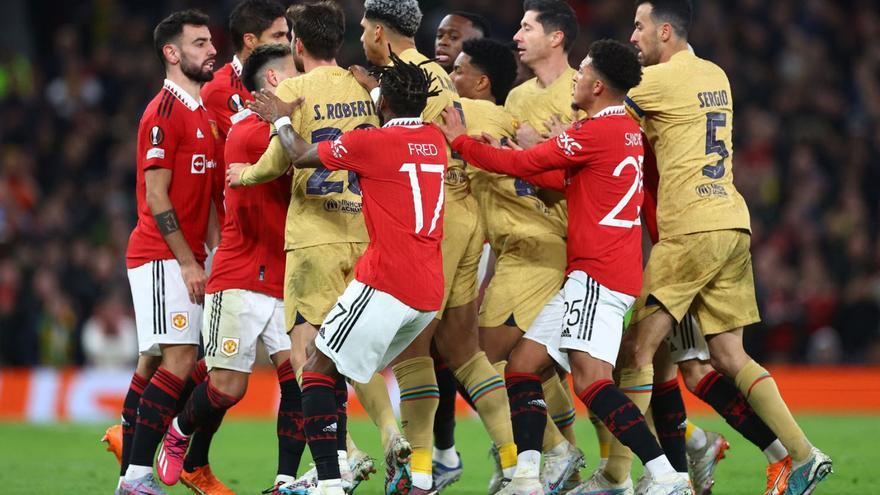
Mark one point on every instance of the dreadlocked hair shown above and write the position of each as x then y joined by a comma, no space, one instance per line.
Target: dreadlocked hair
405,86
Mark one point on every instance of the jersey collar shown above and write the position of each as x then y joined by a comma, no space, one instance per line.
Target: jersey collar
236,65
404,121
612,110
182,95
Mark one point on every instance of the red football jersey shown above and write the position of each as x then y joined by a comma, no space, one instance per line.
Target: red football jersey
401,169
602,158
251,251
225,98
174,133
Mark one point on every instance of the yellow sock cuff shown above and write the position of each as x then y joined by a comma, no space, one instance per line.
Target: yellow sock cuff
500,367
421,461
507,454
637,379
689,431
560,407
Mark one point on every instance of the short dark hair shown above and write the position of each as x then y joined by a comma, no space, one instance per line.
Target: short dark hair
479,22
617,64
262,56
405,86
402,16
252,16
320,26
170,28
678,13
556,15
496,60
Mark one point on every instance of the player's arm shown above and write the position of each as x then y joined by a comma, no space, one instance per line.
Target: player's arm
158,181
273,109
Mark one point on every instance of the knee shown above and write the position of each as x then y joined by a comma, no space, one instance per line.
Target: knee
147,365
523,360
180,359
319,363
232,383
692,372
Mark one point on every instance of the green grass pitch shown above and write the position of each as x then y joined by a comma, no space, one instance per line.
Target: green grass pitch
67,458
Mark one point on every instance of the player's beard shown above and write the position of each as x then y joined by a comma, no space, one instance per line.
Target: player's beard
197,73
298,63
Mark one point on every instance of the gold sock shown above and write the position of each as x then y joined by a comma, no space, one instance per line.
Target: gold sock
374,397
552,436
419,396
488,394
500,367
637,384
763,395
689,431
602,435
649,420
560,408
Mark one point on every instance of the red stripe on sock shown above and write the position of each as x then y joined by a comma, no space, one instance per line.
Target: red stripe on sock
706,383
138,384
666,387
168,382
760,379
590,392
511,378
219,399
312,379
285,372
200,372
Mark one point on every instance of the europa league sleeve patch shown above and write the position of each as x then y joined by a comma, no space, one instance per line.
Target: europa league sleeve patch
157,135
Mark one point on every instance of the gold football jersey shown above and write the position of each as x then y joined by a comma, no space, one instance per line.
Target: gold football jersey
456,177
325,206
508,205
685,107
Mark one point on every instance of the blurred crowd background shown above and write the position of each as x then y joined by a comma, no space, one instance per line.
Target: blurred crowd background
76,76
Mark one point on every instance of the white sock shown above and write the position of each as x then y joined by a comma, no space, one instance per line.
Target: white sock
134,472
447,457
342,455
697,440
331,487
508,472
177,427
775,452
659,466
284,479
528,464
560,449
119,483
422,480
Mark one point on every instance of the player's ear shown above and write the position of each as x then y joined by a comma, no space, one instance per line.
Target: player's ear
250,41
170,52
557,38
378,33
298,46
665,32
272,77
483,83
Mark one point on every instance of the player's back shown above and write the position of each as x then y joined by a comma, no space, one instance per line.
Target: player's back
251,251
326,206
508,205
686,109
174,133
401,168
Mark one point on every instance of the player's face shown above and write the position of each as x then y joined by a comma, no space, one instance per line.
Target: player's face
278,32
584,84
465,76
452,32
372,47
646,36
197,53
532,42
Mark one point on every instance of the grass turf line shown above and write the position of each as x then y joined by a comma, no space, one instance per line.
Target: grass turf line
46,459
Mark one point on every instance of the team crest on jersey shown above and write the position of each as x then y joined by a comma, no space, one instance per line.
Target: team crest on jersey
215,131
337,148
199,164
157,135
180,320
229,346
235,104
567,144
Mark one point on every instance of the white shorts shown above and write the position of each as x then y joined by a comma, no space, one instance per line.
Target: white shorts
234,320
686,341
583,316
367,329
162,309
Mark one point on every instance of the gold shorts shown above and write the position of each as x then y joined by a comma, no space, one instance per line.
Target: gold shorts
462,247
708,274
528,273
314,277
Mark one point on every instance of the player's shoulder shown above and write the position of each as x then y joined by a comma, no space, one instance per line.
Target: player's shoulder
161,108
246,127
522,89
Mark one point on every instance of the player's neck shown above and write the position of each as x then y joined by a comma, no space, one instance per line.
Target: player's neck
602,103
310,63
673,48
243,55
400,45
192,88
550,69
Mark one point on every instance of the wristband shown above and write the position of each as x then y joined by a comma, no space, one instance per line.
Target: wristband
281,122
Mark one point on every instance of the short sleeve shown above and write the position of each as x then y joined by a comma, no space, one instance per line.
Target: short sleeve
159,140
646,97
344,152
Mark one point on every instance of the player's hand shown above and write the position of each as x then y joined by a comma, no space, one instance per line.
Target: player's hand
233,173
270,107
509,144
452,125
527,136
194,278
555,126
363,77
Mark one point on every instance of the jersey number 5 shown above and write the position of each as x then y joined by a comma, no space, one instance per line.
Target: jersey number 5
611,219
714,120
410,168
